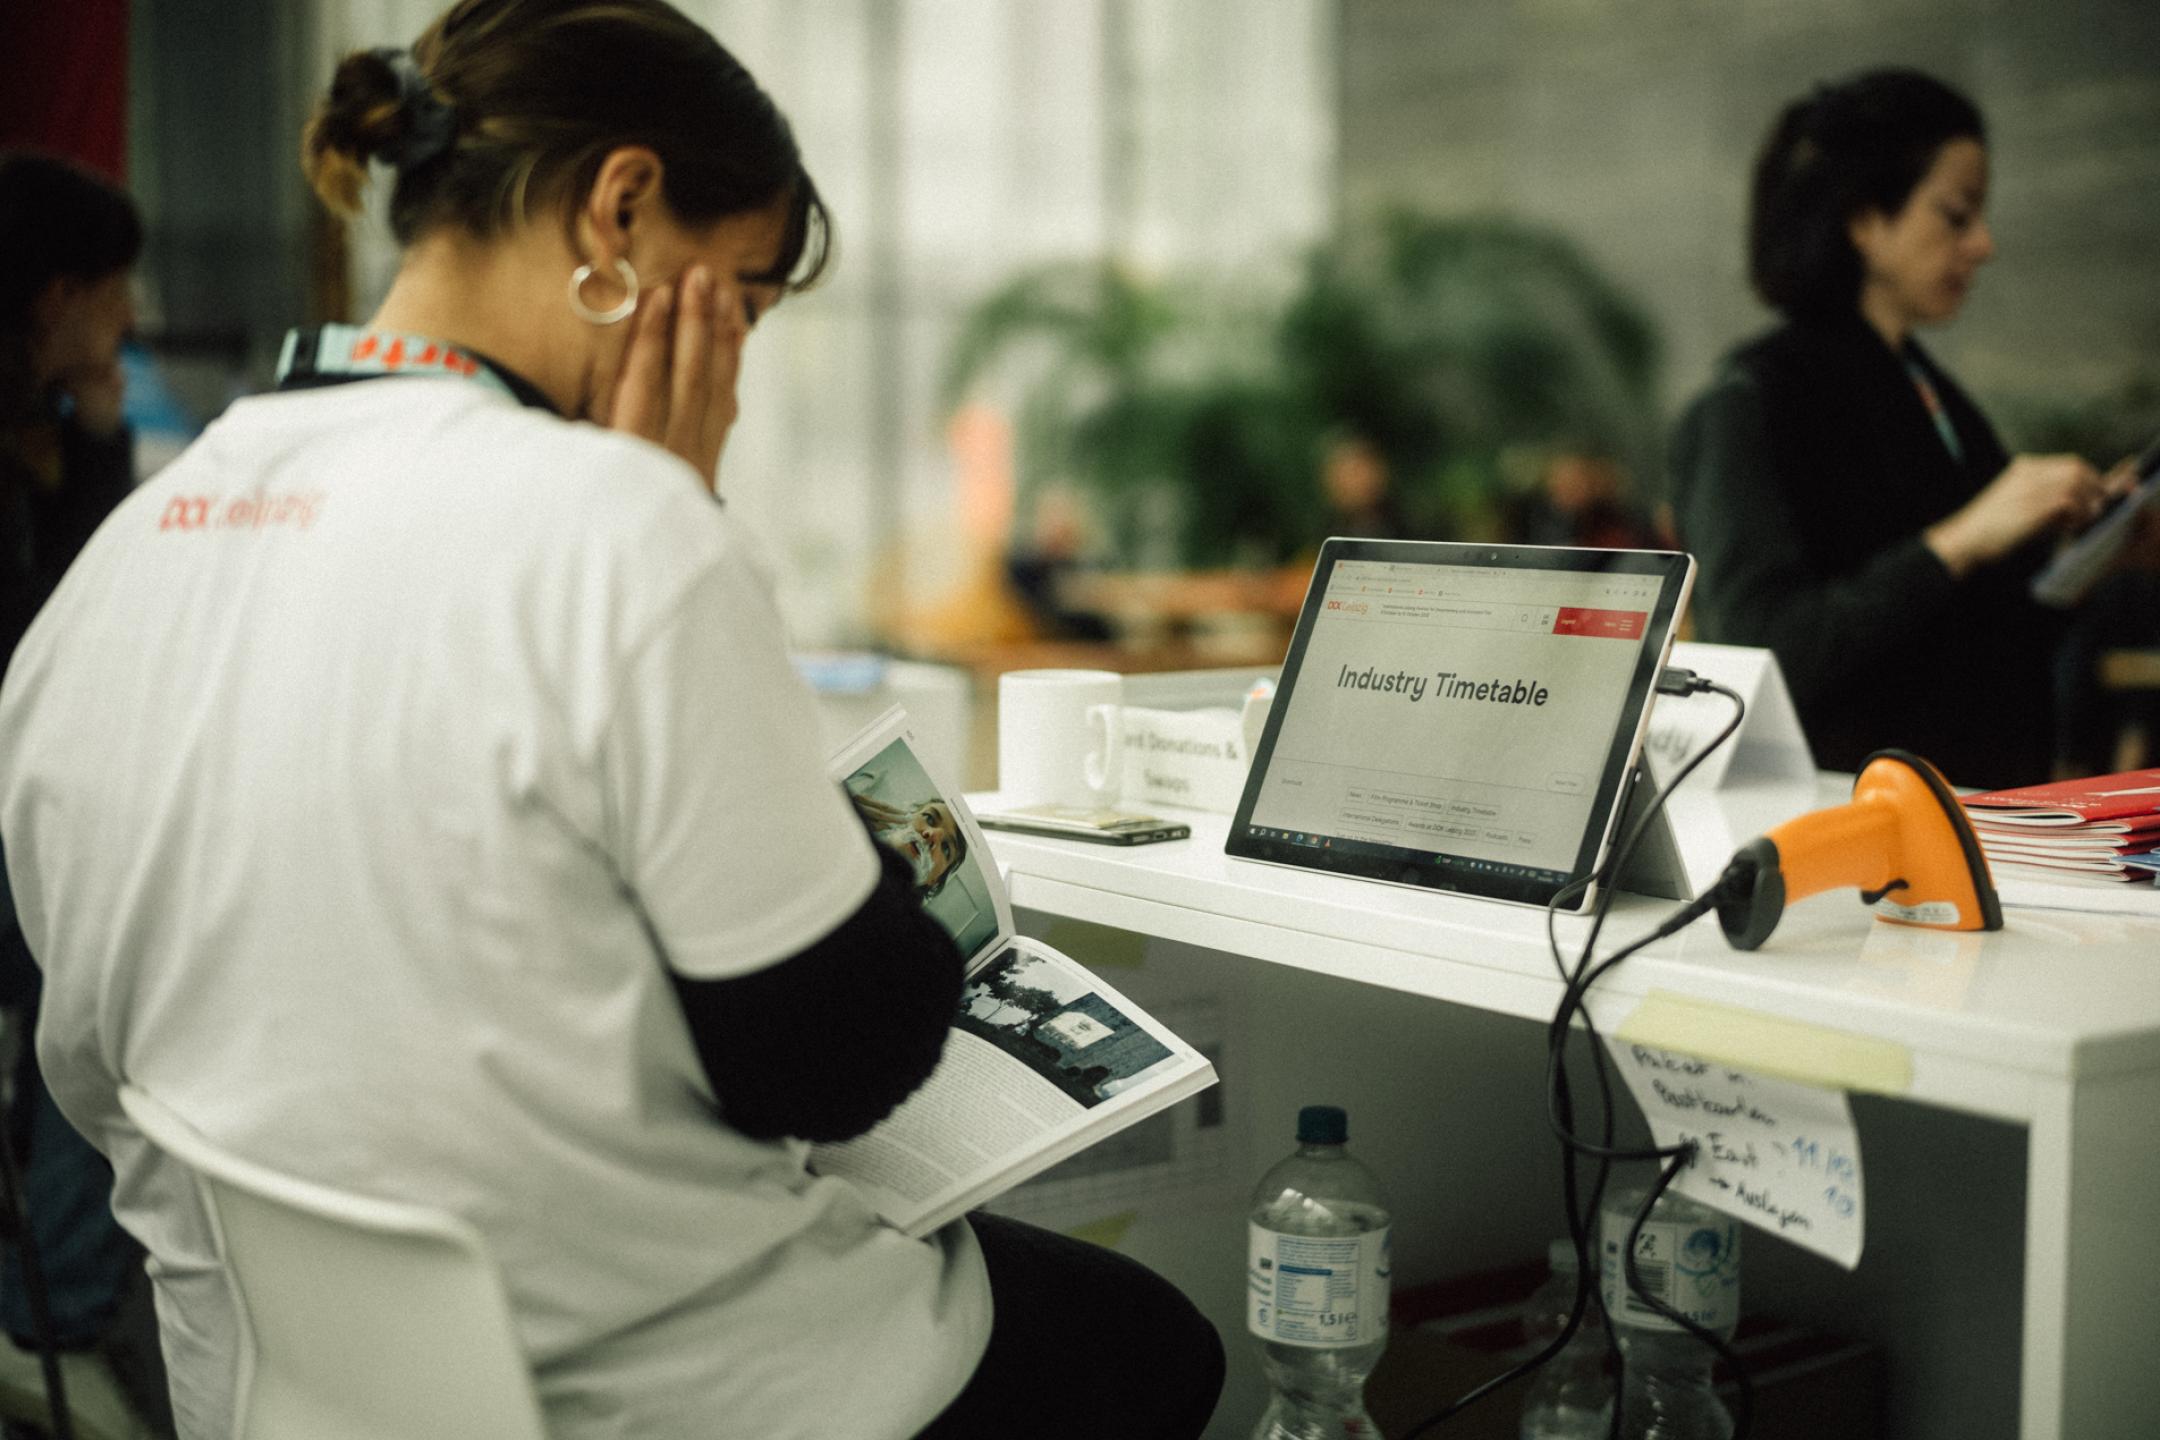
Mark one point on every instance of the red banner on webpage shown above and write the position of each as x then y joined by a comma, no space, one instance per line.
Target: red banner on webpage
1611,624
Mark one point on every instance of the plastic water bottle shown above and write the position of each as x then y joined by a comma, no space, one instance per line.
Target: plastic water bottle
1570,1397
1317,1273
1688,1256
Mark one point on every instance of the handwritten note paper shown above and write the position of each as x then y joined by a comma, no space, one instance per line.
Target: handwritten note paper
1776,1153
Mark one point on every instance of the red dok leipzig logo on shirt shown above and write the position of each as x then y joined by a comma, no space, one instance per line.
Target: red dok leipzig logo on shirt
256,510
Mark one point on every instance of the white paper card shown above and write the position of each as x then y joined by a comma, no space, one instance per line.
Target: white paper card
1770,744
1193,759
1778,1154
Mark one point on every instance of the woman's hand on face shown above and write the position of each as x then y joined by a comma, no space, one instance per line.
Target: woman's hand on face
677,383
2033,494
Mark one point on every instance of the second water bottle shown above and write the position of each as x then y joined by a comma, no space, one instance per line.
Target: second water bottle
1570,1397
1688,1256
1318,1270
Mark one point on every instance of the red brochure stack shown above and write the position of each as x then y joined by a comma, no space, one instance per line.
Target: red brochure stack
2105,829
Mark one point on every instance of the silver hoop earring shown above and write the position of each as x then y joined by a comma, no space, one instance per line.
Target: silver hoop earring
585,312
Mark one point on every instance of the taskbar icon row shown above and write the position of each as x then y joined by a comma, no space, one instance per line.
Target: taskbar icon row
1441,859
1291,837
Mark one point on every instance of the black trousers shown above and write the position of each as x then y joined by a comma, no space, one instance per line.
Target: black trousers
1086,1343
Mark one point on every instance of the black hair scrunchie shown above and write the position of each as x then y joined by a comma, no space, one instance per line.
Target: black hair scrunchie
430,121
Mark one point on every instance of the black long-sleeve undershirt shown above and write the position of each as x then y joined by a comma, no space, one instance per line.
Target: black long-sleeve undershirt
826,1043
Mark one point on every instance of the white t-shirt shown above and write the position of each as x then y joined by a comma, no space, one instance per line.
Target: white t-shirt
357,785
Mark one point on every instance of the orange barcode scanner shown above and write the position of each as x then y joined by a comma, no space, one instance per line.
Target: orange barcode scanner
1903,839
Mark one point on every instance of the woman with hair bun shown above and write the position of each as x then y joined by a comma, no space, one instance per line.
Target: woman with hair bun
1850,506
408,787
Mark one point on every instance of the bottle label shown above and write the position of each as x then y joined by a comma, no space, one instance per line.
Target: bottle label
1693,1267
1321,1291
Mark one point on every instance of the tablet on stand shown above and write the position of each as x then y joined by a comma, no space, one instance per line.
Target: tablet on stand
1467,718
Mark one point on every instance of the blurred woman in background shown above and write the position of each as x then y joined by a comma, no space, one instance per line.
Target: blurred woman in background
410,789
68,246
1850,506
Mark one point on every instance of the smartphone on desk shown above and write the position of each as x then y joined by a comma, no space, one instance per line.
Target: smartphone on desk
1098,825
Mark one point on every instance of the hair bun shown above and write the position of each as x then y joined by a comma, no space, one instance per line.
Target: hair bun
362,117
504,109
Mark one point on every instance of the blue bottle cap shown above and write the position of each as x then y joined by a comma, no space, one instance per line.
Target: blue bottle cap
1322,1125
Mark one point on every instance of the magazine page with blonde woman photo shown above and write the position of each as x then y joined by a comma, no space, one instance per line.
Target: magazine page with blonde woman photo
1043,1059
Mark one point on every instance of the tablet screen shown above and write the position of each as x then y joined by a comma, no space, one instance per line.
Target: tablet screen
1460,717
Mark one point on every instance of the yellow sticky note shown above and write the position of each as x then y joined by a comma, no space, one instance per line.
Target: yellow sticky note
1769,1045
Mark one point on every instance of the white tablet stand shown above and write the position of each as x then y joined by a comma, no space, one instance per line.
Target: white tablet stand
1655,869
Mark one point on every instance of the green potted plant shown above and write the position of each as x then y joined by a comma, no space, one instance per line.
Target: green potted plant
1451,343
1159,401
1441,345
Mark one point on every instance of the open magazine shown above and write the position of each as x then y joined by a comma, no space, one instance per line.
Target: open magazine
1043,1060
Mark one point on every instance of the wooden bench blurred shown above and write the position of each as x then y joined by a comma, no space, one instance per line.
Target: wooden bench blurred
2130,670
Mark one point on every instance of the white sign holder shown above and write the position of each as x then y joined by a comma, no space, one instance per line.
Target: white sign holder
1770,746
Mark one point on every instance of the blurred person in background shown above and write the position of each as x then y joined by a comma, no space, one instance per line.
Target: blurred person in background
1580,497
410,789
1850,507
69,242
1050,553
1357,490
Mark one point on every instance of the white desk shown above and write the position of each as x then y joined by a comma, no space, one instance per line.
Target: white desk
2052,1025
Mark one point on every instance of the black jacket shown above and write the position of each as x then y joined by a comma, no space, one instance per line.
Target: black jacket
1803,478
41,531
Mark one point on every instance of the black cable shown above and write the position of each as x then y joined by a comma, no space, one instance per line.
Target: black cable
1582,1215
1573,1007
1559,1115
1671,681
1744,1418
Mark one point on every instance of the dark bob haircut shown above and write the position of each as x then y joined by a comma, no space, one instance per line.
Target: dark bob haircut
58,221
531,95
1849,148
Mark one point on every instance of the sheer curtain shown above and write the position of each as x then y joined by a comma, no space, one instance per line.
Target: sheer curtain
956,142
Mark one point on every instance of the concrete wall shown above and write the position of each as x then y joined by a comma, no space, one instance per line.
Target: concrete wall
1631,126
218,94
